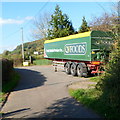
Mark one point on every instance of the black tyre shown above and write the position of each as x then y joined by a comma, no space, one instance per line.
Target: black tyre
73,69
67,68
81,70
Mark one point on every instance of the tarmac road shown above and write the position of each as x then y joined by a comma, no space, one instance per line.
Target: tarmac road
43,93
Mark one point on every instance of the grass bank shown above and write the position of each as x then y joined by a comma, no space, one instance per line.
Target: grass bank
93,100
95,79
42,62
10,85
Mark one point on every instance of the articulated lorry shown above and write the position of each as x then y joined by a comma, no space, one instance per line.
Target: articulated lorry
81,54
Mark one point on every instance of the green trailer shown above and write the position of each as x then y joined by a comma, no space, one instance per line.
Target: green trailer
83,49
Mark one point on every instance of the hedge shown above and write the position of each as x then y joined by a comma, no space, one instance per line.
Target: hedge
7,69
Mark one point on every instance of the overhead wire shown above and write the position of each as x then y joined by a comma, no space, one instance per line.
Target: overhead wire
11,34
105,12
35,16
37,13
28,21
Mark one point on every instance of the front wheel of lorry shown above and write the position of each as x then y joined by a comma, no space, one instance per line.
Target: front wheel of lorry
67,68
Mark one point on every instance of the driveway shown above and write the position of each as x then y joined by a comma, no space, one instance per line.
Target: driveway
43,93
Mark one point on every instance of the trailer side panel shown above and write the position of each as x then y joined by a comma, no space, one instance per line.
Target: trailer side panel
71,49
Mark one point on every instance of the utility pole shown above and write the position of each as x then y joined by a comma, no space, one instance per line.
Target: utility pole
22,44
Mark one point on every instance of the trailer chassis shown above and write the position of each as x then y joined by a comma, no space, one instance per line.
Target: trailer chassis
78,68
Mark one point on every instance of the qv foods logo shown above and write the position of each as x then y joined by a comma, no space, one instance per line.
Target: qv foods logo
75,49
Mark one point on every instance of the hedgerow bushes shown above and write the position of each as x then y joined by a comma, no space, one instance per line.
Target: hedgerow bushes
109,83
17,62
7,69
10,77
105,97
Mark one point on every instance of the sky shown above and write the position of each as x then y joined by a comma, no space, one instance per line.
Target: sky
17,15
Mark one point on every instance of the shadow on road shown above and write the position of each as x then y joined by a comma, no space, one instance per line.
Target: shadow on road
66,108
29,79
15,112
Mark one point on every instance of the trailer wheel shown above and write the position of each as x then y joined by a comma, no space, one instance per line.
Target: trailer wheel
81,70
67,68
73,69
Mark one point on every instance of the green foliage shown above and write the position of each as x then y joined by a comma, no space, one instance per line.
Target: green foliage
91,98
7,68
60,25
111,79
29,48
109,83
84,27
85,95
42,62
16,58
17,62
11,84
105,98
6,52
95,79
9,77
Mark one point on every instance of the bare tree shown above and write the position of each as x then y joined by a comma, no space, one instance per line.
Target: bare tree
107,21
104,22
41,25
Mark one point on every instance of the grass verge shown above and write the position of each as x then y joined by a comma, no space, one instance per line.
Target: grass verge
92,99
42,62
10,85
95,79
